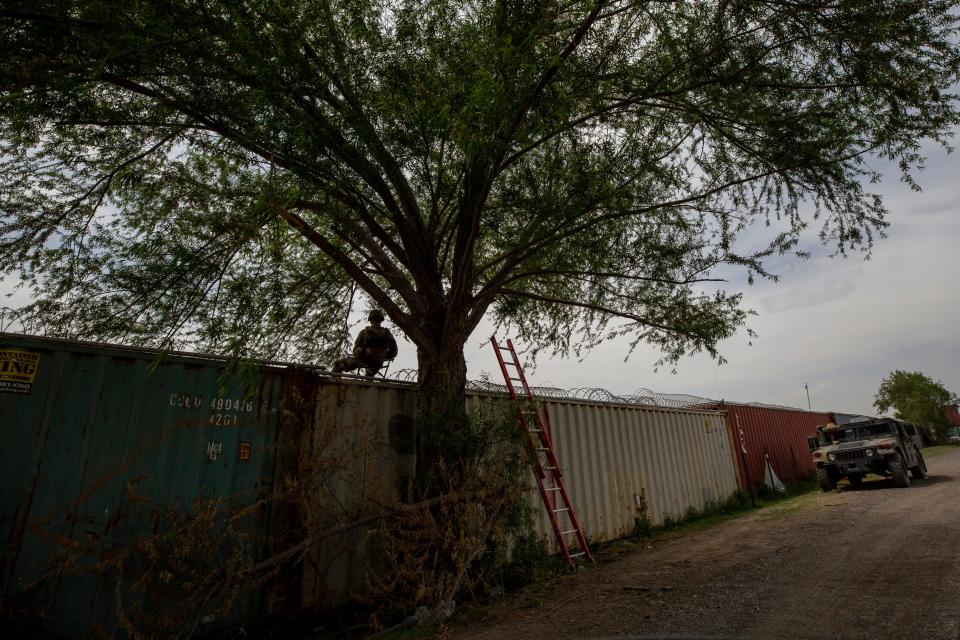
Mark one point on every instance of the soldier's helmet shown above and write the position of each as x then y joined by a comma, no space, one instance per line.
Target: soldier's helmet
376,316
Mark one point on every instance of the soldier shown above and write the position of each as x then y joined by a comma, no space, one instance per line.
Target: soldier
374,345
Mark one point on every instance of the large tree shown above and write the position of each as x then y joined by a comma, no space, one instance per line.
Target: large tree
916,398
224,174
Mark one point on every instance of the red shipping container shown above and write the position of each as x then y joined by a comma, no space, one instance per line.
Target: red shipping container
953,415
778,432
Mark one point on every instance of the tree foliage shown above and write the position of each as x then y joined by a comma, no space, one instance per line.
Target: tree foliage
917,399
224,175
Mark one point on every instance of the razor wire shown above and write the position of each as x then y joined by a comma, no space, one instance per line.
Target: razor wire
640,397
13,321
645,397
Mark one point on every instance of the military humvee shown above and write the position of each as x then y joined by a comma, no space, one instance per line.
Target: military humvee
885,447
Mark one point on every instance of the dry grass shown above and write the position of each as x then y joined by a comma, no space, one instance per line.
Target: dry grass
182,565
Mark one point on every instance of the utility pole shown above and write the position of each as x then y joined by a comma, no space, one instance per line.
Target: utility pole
808,396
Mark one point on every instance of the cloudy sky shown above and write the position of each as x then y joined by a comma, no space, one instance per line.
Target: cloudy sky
839,325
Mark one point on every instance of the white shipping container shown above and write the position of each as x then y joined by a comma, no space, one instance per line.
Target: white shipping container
622,461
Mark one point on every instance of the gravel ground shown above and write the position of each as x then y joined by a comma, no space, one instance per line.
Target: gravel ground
878,562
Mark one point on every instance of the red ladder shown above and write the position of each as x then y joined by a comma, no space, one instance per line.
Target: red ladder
534,421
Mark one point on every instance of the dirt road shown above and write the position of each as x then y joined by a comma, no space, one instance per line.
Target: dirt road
880,562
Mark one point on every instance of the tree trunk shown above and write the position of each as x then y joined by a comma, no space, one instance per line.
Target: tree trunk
444,443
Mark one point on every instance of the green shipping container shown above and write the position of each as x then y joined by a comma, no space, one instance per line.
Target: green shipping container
132,486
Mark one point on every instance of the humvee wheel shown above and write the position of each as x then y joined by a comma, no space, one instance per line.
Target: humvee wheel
826,480
919,472
898,471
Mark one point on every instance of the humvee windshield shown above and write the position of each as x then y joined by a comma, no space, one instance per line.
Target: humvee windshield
852,433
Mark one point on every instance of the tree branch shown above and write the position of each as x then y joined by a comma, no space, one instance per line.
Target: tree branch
313,540
602,309
605,274
568,229
398,280
400,317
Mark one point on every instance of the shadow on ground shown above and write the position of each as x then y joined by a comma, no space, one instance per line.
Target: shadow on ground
887,483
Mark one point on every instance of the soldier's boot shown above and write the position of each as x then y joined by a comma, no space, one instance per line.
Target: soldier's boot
343,365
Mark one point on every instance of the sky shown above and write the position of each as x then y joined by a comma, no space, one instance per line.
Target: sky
839,325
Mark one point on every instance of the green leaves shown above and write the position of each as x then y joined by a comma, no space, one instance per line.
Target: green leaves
917,398
220,174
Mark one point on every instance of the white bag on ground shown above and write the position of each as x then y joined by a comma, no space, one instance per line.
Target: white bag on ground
770,478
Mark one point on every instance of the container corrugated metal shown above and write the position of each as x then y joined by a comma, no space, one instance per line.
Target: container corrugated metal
621,462
92,432
778,432
953,415
89,427
94,421
362,443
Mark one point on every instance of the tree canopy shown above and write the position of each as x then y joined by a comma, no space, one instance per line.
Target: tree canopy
916,398
228,175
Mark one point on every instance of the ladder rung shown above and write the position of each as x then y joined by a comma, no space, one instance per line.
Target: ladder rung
534,419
